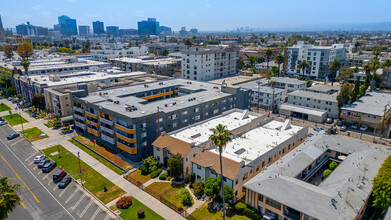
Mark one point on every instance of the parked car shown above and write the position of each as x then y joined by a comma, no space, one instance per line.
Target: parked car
64,183
42,163
363,128
354,126
47,168
329,120
59,175
317,128
340,123
10,98
343,128
3,123
12,136
39,158
311,134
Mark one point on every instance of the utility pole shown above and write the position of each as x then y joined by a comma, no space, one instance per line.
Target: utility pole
21,121
81,179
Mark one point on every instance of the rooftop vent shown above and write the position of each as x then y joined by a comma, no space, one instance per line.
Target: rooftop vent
240,151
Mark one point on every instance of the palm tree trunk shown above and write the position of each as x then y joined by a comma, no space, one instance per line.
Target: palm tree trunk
372,87
222,183
279,71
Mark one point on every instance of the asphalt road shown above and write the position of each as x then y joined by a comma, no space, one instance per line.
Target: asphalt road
40,196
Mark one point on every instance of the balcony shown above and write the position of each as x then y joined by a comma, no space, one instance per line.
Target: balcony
350,117
108,130
80,125
92,131
125,129
130,150
129,140
108,139
79,117
92,123
92,115
106,121
78,109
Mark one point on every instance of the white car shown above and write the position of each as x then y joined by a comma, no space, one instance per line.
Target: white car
38,158
354,127
3,123
363,128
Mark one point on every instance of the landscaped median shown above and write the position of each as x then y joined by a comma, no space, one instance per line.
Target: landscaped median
206,211
131,212
97,184
15,119
34,134
4,107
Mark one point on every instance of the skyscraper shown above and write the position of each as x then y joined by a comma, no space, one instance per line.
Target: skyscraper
1,24
98,27
84,30
26,29
148,27
68,25
42,31
112,30
1,29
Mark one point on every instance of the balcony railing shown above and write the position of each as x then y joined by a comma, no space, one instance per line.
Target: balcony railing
130,150
107,139
106,121
125,129
80,125
92,115
127,139
108,130
79,117
92,123
350,117
78,109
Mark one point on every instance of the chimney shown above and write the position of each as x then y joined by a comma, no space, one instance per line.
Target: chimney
202,148
163,133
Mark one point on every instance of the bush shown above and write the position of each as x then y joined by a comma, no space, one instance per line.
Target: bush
239,207
156,173
333,165
251,213
124,202
198,189
151,164
326,173
192,178
144,170
163,176
186,197
381,186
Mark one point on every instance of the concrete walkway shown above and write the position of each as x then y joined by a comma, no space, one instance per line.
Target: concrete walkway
56,138
197,203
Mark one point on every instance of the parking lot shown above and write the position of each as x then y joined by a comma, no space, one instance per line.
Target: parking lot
41,198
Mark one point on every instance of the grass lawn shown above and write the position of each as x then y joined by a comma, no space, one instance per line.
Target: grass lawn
169,191
15,119
137,176
93,181
106,152
97,157
34,134
4,107
202,213
131,212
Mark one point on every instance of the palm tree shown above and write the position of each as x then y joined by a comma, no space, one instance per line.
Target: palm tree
220,137
367,71
8,197
374,65
303,65
334,67
268,53
279,59
377,51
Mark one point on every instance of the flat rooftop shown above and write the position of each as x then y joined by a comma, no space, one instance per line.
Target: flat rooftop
373,103
303,109
323,88
236,80
200,132
257,141
314,95
159,61
262,89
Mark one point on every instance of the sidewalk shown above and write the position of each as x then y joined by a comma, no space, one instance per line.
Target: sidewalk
55,138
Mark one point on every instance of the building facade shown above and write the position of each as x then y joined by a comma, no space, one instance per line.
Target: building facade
386,78
112,30
98,27
148,27
107,54
68,26
84,30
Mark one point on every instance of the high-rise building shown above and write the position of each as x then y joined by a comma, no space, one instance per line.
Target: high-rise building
84,30
57,27
148,27
42,31
1,24
112,30
125,32
68,25
26,29
194,31
2,35
165,29
183,32
98,27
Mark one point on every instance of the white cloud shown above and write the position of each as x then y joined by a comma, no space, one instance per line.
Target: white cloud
36,7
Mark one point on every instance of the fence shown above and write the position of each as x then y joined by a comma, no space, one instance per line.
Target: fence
180,210
134,181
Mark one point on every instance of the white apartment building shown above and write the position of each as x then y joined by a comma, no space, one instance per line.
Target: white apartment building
209,63
262,95
319,58
106,54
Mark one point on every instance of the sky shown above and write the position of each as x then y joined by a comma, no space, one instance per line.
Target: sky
205,15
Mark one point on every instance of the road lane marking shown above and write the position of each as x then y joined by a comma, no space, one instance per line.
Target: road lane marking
22,204
28,158
31,163
96,213
55,187
46,176
71,196
38,180
85,209
40,172
16,142
107,217
78,202
20,178
63,191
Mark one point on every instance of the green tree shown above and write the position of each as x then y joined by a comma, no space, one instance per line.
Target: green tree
377,51
367,70
268,54
381,188
187,42
326,173
212,186
175,165
386,64
150,164
228,193
252,60
356,90
260,59
25,50
373,66
165,52
334,67
8,197
39,100
344,95
345,73
279,59
333,165
185,196
26,64
220,137
303,65
8,51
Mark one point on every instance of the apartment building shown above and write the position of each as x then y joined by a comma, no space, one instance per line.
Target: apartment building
130,118
319,58
106,54
157,65
206,64
249,153
293,188
372,110
170,47
386,78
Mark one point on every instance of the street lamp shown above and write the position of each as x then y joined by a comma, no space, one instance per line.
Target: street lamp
81,179
21,121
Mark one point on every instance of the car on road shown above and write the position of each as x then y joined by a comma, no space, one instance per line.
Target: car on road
3,123
42,163
329,120
363,128
39,158
317,128
47,168
343,128
12,136
64,183
59,175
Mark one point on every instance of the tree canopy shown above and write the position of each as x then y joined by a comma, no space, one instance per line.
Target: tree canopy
175,165
25,50
212,186
381,188
8,51
8,197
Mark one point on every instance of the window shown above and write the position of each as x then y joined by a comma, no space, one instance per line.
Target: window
144,143
184,121
236,182
184,113
144,134
245,176
174,125
198,167
260,197
197,117
157,149
273,203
